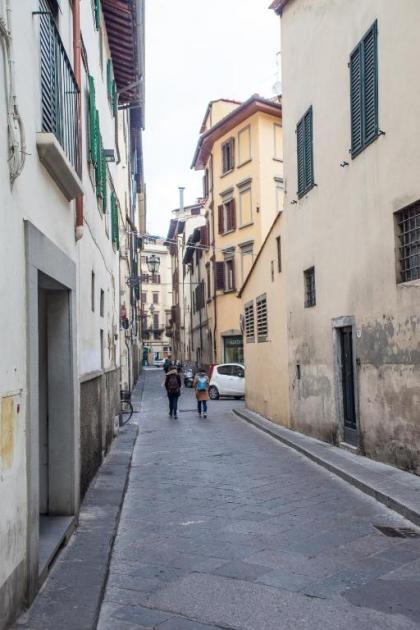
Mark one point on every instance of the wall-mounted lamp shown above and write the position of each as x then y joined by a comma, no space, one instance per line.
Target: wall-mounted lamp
344,163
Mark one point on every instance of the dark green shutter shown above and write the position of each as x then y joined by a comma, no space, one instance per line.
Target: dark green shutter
109,79
98,163
370,85
104,182
305,162
309,167
114,98
364,91
114,220
300,134
97,9
93,136
356,100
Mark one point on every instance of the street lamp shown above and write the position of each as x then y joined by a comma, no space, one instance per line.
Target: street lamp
153,263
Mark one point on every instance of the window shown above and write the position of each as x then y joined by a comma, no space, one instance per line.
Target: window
155,320
408,233
206,184
102,350
219,273
238,371
244,146
249,322
230,275
279,183
310,295
262,323
144,297
278,142
245,206
305,154
228,160
247,258
92,291
278,246
225,370
272,270
155,298
102,303
199,296
227,217
364,91
155,278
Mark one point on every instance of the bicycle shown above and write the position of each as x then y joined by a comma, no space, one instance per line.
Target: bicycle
126,407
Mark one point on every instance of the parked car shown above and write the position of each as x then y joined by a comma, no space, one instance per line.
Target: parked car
159,363
188,377
227,379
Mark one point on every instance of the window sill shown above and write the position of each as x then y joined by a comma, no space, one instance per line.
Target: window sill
244,163
245,225
229,291
365,146
228,232
310,305
407,284
262,340
275,159
306,191
227,173
57,164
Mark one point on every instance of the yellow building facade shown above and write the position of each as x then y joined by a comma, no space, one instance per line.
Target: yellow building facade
240,151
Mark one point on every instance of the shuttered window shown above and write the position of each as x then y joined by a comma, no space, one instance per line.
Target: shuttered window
227,217
114,220
220,276
364,91
97,13
93,128
262,318
228,155
249,322
305,166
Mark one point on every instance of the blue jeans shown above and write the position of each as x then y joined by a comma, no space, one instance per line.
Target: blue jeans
173,403
202,403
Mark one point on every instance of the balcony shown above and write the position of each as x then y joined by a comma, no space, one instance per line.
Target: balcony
58,142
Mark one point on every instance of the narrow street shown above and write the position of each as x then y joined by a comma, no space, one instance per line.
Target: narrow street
223,527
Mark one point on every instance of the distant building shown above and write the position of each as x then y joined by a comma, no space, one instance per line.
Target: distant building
240,152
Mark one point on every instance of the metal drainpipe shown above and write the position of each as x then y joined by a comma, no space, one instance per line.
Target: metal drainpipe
214,261
77,47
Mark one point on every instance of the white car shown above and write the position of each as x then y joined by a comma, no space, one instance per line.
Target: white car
227,379
158,362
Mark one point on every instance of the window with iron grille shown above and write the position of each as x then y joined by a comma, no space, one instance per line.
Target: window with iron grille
305,162
364,91
228,155
408,233
249,322
310,294
262,318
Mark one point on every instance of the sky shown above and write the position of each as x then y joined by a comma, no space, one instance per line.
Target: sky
197,51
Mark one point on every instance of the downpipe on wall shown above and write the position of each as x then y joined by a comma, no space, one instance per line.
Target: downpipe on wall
77,55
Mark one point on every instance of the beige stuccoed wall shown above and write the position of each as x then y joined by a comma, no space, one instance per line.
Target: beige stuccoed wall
345,226
266,363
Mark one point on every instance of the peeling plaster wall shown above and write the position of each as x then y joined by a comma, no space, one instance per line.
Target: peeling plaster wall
344,226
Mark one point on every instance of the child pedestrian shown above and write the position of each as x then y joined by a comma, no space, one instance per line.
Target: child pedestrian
201,386
173,389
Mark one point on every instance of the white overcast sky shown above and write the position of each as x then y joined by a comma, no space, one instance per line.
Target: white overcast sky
197,51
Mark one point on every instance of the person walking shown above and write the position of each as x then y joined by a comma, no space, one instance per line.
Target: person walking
173,389
201,386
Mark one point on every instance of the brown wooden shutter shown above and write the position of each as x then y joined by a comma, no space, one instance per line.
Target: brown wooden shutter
220,276
232,153
232,215
221,221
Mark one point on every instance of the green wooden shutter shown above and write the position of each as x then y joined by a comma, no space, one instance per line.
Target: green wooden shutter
114,98
93,138
300,135
98,164
356,100
104,177
114,220
309,166
109,79
370,84
97,10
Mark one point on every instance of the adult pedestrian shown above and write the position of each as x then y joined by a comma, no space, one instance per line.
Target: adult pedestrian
201,386
167,364
173,389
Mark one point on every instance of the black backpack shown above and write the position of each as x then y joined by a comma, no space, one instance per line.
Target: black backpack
172,384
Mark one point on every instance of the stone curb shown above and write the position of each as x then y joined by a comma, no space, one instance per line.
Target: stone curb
396,489
72,595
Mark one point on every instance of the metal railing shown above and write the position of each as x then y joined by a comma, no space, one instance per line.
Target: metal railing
60,96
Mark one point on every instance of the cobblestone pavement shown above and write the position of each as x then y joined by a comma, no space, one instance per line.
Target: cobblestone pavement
223,527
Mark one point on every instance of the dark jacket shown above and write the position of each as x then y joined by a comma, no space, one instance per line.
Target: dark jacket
168,378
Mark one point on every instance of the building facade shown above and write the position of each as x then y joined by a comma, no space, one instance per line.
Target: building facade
240,152
352,217
156,301
62,89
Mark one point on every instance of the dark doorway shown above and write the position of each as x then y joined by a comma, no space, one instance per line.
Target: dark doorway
347,382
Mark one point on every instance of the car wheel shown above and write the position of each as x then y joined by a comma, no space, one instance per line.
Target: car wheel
213,393
238,397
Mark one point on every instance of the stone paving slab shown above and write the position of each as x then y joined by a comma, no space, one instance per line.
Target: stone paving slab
395,488
224,527
71,597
